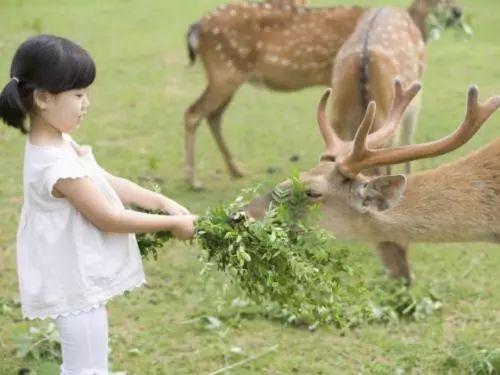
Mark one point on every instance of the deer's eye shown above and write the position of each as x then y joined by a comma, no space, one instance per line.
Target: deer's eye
313,193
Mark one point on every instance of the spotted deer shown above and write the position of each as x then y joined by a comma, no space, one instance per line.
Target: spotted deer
284,2
457,202
284,47
386,43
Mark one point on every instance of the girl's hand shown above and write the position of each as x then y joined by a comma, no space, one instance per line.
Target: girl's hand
171,207
184,227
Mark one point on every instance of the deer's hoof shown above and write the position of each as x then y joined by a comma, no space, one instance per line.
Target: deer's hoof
237,175
195,185
235,172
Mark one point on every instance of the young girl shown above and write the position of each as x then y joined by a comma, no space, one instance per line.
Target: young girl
75,247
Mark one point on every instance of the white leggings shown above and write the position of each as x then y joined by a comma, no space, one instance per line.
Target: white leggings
84,342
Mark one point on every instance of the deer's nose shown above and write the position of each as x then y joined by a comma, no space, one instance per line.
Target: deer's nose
457,12
237,217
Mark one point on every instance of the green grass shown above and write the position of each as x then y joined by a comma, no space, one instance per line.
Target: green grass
135,125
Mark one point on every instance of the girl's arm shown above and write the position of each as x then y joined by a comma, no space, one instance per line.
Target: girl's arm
92,204
131,193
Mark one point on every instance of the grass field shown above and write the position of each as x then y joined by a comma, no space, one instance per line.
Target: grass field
135,126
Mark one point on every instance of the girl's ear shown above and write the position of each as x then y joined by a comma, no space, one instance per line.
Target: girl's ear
41,98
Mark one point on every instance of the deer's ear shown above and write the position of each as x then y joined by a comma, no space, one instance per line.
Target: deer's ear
381,193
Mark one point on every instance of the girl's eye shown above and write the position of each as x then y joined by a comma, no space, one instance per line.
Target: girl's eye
79,95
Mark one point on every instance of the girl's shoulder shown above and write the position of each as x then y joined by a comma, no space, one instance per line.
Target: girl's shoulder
42,154
45,165
39,159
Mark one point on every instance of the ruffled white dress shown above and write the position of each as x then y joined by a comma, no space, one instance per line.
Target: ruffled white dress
65,264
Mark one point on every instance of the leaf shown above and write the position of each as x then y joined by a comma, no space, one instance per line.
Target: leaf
236,350
134,351
213,323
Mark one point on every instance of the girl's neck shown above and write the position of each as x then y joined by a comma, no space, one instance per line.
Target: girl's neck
43,134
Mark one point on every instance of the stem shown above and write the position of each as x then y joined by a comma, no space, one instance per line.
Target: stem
253,358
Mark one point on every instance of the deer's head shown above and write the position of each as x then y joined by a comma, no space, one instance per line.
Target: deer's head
337,183
447,10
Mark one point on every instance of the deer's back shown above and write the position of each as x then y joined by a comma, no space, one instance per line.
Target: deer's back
459,201
284,47
385,44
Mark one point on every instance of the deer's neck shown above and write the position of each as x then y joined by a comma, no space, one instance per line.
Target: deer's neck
455,203
419,14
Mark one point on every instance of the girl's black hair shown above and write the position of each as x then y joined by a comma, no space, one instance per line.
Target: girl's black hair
43,62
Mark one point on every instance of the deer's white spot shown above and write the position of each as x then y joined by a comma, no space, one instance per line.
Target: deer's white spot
273,58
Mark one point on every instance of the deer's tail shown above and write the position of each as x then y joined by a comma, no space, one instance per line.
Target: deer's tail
192,39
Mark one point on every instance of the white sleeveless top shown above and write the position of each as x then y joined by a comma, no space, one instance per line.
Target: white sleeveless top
65,264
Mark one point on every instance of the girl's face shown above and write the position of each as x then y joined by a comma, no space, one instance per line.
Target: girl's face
64,111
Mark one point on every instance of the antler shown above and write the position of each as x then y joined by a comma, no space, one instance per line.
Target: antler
335,147
362,157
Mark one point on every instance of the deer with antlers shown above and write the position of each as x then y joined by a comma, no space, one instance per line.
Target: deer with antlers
277,44
458,202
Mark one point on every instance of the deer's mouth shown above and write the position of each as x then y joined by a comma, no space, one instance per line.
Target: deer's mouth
455,17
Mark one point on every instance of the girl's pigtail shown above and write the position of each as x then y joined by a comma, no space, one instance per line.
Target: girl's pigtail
12,109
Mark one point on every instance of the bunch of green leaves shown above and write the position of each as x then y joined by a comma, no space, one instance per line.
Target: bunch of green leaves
284,261
39,343
391,300
151,243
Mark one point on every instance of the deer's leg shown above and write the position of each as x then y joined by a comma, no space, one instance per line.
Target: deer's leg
211,101
192,119
214,121
394,258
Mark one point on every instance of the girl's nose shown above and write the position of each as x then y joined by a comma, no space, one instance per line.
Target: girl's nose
86,102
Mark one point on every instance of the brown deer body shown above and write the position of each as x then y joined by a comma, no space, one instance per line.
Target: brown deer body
282,47
387,43
285,2
456,202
